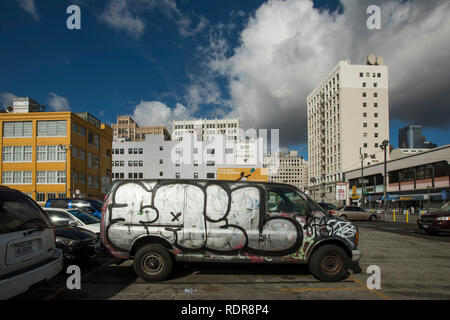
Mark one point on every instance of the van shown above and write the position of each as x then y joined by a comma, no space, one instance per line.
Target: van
28,253
157,222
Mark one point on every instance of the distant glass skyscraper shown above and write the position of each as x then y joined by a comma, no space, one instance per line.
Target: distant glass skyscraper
410,137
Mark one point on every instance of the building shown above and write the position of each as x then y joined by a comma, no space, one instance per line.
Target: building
34,159
412,181
348,118
410,140
205,128
127,128
287,168
188,158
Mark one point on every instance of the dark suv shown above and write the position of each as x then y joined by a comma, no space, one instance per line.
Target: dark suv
91,206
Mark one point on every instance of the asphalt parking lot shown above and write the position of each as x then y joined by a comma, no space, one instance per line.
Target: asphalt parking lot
413,265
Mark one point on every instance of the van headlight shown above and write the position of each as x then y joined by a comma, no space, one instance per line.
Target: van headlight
443,218
66,241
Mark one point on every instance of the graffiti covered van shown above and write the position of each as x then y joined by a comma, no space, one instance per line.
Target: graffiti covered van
155,222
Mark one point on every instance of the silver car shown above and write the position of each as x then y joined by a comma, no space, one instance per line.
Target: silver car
28,254
357,213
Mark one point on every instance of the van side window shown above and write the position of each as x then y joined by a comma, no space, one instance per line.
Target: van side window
287,201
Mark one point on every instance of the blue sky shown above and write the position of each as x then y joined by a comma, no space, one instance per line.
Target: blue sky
177,54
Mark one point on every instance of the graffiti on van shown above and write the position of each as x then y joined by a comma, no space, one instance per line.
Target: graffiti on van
212,217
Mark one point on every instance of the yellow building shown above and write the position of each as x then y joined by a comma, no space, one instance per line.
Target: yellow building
33,151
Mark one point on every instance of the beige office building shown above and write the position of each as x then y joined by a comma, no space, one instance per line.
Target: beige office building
287,168
348,118
127,128
206,128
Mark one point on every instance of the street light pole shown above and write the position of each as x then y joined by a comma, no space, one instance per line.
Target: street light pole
65,148
362,175
384,146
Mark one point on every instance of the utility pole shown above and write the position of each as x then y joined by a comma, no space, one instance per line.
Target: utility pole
65,148
384,146
362,175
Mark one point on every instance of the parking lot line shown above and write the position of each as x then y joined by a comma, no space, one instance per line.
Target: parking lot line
57,292
320,289
371,290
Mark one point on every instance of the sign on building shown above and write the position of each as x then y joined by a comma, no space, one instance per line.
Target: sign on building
243,174
341,191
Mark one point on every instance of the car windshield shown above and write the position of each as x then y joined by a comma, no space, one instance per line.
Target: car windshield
84,217
96,204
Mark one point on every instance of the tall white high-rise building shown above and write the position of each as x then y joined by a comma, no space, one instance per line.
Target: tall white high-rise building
348,119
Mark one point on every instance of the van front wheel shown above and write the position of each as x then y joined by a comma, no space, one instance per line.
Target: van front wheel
152,262
329,263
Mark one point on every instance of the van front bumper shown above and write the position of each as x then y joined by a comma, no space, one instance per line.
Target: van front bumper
17,283
356,254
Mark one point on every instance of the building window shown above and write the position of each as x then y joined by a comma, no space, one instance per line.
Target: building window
365,124
376,125
376,115
141,163
375,84
364,94
51,195
195,163
52,128
195,175
376,145
375,94
130,150
130,163
210,163
61,195
82,131
161,174
141,150
375,105
16,177
51,177
361,74
50,154
161,161
364,84
40,197
177,175
82,154
376,135
364,114
210,175
364,104
18,153
177,163
13,129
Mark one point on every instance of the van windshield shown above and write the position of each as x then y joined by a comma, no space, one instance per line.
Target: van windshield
17,214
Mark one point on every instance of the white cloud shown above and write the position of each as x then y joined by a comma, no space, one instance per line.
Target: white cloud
58,103
118,15
155,113
129,16
287,47
30,7
6,99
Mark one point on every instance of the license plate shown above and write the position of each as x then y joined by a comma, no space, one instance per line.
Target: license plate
24,249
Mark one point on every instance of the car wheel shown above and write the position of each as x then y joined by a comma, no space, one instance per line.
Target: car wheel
329,263
153,263
372,218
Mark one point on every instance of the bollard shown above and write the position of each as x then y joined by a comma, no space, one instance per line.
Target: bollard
407,214
394,215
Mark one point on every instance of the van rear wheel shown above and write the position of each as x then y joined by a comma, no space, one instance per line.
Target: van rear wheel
329,263
153,262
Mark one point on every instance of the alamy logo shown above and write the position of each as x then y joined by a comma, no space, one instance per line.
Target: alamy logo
374,281
374,20
74,20
74,280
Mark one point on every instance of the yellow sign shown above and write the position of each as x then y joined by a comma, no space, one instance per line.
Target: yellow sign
354,189
243,174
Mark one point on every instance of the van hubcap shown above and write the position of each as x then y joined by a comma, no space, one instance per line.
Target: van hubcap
152,264
331,264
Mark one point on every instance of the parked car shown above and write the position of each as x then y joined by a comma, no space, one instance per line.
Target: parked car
328,207
91,206
28,254
75,218
156,222
75,242
435,222
357,213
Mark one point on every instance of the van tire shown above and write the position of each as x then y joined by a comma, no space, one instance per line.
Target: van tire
153,262
329,263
